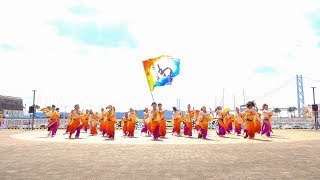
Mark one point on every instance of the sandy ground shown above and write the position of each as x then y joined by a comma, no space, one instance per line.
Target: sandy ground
289,154
213,138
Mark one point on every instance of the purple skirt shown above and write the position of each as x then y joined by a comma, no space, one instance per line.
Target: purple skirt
156,133
265,129
144,129
187,131
78,131
229,128
221,131
204,133
54,128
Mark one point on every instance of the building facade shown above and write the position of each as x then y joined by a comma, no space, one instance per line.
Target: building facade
11,106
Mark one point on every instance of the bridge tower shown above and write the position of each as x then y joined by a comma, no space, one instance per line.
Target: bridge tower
300,94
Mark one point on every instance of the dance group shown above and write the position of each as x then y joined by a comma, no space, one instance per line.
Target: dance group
250,121
1,118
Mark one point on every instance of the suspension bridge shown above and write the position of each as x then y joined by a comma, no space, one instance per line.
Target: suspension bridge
299,81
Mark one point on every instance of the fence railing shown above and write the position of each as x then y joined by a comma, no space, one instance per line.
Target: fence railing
292,120
42,123
26,123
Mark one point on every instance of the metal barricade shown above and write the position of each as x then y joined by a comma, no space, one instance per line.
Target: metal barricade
27,123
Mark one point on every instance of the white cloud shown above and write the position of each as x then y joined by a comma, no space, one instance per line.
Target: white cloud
220,45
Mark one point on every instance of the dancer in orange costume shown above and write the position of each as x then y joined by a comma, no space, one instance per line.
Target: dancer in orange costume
85,121
125,120
146,122
153,116
187,130
204,119
111,121
266,117
162,121
196,123
93,118
177,119
238,122
53,121
1,118
75,124
58,113
257,123
250,114
228,120
132,122
102,122
222,127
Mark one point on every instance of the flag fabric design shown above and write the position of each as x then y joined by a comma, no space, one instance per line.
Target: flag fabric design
160,71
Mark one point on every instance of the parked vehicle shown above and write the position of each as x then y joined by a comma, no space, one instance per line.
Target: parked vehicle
212,125
296,127
63,126
169,123
139,125
276,126
42,126
26,125
286,126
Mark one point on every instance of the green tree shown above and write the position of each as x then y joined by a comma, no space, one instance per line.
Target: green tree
36,107
277,111
294,111
290,110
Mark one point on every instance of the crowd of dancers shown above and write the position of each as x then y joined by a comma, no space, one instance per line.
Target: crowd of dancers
249,122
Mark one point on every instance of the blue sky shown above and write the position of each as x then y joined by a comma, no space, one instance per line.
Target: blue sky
7,47
110,36
265,70
92,33
314,18
91,52
80,9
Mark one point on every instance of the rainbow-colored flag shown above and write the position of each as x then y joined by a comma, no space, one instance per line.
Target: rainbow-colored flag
161,70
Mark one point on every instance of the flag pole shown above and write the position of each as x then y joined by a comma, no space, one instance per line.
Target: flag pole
149,85
150,90
151,95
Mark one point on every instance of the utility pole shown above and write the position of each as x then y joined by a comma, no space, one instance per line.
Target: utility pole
34,109
315,110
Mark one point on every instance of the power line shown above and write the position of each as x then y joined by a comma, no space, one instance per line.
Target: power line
281,86
39,98
311,79
317,81
291,80
58,104
278,89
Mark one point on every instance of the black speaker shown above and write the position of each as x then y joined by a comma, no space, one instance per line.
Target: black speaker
31,109
314,107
